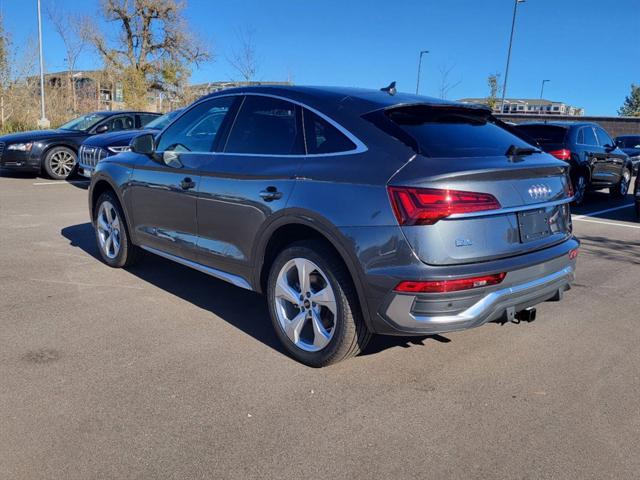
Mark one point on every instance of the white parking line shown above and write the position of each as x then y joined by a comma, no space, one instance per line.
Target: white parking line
79,182
590,220
600,212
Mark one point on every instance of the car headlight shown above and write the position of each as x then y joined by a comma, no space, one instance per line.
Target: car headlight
126,148
20,147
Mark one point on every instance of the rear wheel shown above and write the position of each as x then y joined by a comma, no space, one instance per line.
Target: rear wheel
111,232
622,188
313,305
60,162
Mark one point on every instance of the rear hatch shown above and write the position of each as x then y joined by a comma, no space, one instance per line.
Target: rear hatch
476,190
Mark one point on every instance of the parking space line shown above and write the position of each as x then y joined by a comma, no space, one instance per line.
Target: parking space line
78,182
614,224
600,212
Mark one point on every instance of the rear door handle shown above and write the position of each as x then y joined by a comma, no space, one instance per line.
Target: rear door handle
187,184
270,194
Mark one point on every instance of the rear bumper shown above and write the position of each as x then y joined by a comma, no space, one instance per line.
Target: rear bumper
411,313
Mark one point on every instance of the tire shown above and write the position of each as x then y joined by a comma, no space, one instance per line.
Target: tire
579,188
329,329
112,235
60,163
622,188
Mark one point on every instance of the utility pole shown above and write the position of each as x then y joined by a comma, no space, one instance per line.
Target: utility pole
506,71
43,122
422,52
542,88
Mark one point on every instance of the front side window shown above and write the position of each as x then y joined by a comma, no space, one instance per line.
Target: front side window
266,126
322,137
603,137
197,129
146,118
589,136
119,123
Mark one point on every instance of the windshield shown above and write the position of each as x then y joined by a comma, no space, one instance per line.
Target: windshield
83,123
161,122
629,142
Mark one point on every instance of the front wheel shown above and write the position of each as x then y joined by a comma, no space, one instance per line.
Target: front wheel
60,162
313,305
622,188
111,232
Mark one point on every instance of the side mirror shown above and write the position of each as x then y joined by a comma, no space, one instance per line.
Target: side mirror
102,128
143,144
609,148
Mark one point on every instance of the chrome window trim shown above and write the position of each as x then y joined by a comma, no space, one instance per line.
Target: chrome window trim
360,146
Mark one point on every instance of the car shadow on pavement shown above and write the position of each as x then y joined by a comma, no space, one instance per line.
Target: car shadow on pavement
243,309
611,249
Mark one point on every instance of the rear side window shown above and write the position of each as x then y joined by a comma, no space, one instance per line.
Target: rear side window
267,126
322,137
455,132
544,134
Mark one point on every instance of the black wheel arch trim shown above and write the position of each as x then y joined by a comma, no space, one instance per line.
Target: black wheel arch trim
100,178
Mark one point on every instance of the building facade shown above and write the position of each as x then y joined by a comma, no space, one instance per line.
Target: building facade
531,106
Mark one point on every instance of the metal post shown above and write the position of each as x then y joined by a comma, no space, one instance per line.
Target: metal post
506,71
422,52
542,88
43,122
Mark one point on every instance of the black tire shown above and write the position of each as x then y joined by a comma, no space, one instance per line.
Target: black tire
127,253
350,334
54,165
621,189
579,188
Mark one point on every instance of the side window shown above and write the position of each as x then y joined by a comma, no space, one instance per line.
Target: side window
146,118
196,130
121,122
580,139
589,136
603,137
267,126
322,137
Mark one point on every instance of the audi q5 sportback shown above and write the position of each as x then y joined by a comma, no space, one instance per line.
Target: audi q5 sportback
356,212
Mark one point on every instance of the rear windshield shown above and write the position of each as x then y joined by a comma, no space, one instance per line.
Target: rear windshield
455,132
544,134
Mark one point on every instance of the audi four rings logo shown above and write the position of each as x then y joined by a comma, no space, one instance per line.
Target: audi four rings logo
539,191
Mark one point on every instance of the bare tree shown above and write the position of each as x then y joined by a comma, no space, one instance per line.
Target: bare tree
446,85
154,49
244,58
75,33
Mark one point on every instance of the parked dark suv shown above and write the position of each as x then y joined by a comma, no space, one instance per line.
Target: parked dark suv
56,151
630,144
596,162
355,212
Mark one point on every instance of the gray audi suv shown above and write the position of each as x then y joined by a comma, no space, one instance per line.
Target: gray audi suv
357,212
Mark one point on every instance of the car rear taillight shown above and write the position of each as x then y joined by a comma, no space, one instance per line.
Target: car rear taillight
573,254
425,206
562,154
443,286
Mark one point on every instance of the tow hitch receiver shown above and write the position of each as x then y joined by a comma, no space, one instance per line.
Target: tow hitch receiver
527,315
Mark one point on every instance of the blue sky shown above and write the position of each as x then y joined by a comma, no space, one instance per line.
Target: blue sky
589,49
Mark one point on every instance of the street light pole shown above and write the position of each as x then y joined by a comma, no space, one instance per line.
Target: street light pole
43,122
422,52
506,71
542,88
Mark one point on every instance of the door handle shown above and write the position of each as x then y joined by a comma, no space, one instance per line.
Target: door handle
270,194
187,184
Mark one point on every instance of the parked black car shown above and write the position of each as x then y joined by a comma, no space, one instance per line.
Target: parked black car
354,211
596,162
630,144
97,147
55,151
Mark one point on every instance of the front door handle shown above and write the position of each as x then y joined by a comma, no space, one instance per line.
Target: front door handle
270,194
187,184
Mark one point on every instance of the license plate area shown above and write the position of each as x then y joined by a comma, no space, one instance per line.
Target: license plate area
534,225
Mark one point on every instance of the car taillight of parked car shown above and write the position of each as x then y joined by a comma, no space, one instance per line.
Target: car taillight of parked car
444,286
425,206
562,154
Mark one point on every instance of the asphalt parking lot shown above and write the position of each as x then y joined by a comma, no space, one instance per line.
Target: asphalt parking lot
163,372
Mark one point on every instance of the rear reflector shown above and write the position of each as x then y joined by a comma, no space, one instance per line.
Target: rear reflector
573,254
563,154
443,286
425,206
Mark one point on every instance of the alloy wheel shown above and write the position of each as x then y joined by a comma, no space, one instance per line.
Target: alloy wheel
62,163
305,305
108,225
